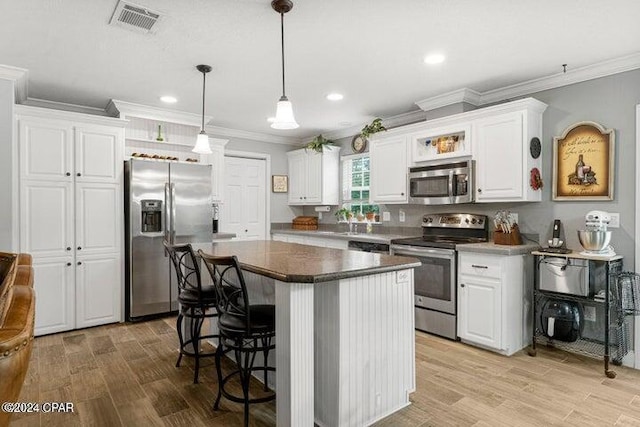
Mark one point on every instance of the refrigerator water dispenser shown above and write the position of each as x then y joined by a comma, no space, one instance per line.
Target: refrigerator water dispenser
151,216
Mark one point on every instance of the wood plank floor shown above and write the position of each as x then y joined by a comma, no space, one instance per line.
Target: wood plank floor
124,374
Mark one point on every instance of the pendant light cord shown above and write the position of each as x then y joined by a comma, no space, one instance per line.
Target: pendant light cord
282,46
204,80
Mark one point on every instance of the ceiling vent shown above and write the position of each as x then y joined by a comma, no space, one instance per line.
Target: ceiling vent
135,18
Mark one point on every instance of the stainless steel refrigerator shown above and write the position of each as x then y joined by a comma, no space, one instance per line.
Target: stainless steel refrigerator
164,201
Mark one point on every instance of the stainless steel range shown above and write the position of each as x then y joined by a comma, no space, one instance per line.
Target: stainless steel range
435,281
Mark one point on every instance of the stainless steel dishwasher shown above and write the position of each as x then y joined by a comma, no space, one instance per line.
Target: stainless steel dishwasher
379,248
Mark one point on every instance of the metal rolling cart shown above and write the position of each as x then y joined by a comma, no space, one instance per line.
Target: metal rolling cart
606,289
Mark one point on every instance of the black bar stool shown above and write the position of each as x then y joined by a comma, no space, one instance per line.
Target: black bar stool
197,302
245,329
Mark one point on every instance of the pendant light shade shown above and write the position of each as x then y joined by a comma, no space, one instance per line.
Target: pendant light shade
284,110
202,143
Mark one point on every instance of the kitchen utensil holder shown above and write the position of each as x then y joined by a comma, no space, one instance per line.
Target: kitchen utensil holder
513,238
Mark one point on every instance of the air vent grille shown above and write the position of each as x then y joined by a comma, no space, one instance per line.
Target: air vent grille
134,17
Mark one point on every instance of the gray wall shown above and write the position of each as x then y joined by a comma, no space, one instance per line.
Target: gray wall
609,101
6,135
280,210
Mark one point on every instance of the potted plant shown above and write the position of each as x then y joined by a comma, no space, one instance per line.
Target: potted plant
318,143
374,127
370,215
343,214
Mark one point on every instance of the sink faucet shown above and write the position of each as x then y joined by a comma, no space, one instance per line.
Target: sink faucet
353,228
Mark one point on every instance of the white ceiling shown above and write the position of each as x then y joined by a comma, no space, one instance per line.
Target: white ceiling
371,51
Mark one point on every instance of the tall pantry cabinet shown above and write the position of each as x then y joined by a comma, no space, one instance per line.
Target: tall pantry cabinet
71,215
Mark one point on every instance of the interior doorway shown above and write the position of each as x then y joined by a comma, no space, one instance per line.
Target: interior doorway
245,198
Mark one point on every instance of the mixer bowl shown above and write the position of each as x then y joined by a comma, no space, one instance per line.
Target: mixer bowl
593,240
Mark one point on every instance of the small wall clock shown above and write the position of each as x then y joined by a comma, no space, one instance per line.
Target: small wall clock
358,143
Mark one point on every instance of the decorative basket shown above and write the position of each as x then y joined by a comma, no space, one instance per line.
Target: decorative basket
305,223
513,238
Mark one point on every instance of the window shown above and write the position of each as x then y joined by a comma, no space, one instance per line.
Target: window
355,185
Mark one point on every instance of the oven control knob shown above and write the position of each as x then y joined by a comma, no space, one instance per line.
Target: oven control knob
480,221
467,220
473,221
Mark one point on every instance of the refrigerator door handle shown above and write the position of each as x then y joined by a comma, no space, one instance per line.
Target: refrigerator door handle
172,224
166,214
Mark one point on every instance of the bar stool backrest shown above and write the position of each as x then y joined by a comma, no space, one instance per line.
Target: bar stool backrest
231,289
186,266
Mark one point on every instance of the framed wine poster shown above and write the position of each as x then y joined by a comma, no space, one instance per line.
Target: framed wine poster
583,163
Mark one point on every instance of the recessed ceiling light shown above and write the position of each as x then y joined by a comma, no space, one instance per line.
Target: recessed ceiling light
335,96
271,119
435,58
168,99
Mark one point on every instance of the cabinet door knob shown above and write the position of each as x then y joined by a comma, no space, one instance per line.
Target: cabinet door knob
79,247
479,190
478,266
68,174
305,198
68,264
402,194
68,248
246,231
462,285
79,262
78,174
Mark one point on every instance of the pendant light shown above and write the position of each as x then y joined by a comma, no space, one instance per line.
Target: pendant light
284,110
202,143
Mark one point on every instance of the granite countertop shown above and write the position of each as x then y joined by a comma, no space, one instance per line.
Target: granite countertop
291,262
492,248
342,235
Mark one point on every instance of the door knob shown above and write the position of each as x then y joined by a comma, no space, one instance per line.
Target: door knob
479,190
246,231
462,285
68,174
79,247
68,248
78,174
79,262
68,264
402,194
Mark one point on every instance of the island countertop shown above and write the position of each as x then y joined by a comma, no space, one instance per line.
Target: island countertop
292,262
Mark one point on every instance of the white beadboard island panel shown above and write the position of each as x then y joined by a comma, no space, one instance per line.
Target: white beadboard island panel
365,349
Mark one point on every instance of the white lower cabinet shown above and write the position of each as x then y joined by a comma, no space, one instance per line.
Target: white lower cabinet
54,283
97,300
494,300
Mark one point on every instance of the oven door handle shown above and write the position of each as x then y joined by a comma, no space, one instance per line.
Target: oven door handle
420,251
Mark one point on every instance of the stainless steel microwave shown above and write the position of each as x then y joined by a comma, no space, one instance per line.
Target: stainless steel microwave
441,183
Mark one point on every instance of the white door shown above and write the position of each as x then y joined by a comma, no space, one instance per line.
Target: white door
297,162
499,137
55,294
98,154
244,209
46,218
388,170
46,150
98,218
98,285
479,311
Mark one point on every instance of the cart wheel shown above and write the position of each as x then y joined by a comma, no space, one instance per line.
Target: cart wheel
610,373
532,352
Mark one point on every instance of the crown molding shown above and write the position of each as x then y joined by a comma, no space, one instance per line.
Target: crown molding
572,76
578,75
20,78
63,106
51,113
119,108
469,96
252,136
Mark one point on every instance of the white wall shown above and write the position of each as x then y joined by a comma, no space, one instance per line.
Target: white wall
6,135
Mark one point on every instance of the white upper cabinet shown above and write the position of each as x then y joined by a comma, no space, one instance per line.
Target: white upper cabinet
46,149
99,153
501,149
388,157
314,177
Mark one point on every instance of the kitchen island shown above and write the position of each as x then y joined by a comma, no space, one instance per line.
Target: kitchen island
344,329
